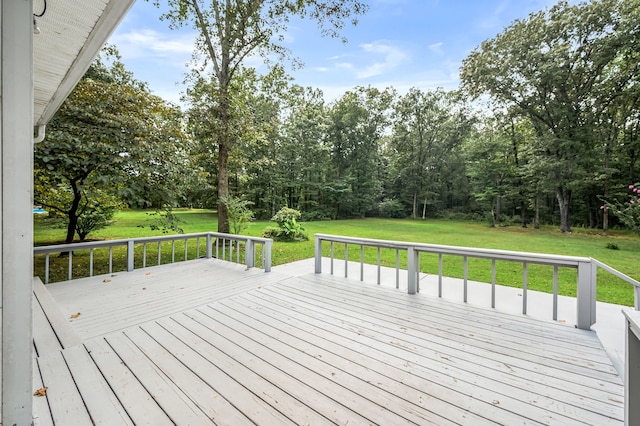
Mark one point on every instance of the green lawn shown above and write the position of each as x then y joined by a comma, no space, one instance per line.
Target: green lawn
588,243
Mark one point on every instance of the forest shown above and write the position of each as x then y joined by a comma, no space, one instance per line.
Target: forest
544,129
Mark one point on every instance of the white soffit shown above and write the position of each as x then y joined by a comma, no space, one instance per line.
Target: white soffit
72,32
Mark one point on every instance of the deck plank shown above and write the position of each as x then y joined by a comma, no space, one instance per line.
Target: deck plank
41,409
177,405
102,405
223,374
536,350
332,397
395,363
217,408
65,402
136,400
443,377
202,343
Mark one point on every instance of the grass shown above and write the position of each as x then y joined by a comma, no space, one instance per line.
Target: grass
581,242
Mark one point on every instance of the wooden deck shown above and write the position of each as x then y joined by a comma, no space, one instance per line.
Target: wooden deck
206,342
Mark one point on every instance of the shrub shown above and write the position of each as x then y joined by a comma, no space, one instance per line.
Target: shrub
239,213
391,209
289,229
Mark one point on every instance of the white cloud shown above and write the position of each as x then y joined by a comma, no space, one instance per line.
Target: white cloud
147,42
436,48
386,56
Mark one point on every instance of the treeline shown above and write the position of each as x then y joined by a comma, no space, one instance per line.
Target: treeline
543,130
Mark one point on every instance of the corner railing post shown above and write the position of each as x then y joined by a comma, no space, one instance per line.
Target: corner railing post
317,251
632,367
412,262
267,255
130,256
636,298
249,253
209,246
586,297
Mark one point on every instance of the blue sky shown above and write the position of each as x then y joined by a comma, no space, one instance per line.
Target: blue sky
399,43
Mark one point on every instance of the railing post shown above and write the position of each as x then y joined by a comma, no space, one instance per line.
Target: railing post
586,297
632,367
317,252
412,261
130,257
209,246
267,255
636,298
249,253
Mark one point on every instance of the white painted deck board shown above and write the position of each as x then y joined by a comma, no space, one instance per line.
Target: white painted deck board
394,357
255,348
438,368
482,335
101,403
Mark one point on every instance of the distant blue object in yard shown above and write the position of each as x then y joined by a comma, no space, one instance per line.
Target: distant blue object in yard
39,211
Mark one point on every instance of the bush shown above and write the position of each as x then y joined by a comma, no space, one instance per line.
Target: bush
239,213
391,209
289,227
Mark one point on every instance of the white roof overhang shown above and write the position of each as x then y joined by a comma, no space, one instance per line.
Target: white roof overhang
72,32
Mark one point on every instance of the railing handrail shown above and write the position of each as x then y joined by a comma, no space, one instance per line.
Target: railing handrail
250,243
516,256
586,269
57,248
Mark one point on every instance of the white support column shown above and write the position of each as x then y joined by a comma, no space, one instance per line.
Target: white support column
16,175
412,262
317,253
586,297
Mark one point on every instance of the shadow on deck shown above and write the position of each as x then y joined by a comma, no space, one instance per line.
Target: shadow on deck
208,342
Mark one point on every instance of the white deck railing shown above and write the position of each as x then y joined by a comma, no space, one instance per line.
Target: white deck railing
632,368
222,246
586,269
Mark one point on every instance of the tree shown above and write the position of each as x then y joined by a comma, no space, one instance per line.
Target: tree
559,69
427,127
110,138
357,123
230,31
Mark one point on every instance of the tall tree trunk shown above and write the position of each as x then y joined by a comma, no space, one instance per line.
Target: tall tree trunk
223,184
523,211
424,209
415,205
536,219
564,200
72,214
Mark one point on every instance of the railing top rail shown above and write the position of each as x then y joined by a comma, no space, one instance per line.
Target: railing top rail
616,273
113,243
570,261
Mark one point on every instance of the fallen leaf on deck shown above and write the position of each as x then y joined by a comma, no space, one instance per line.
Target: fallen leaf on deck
41,392
106,280
495,402
144,288
148,273
76,315
563,320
